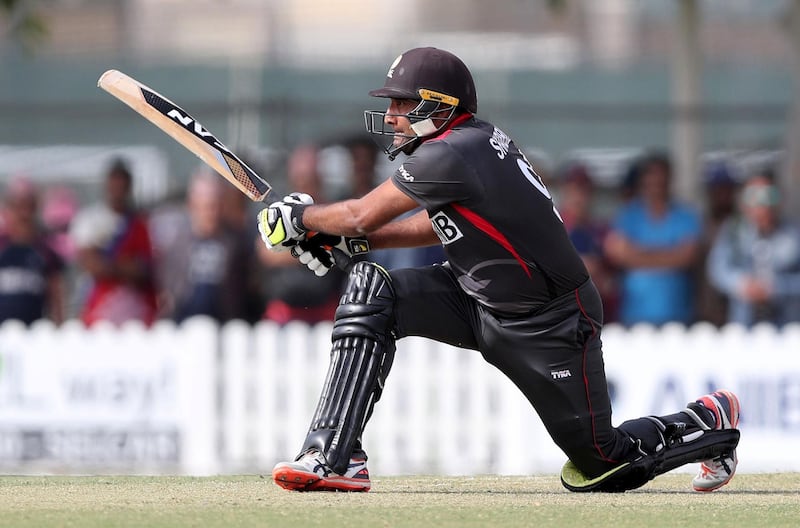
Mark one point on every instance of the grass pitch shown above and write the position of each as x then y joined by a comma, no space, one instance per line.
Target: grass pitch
771,500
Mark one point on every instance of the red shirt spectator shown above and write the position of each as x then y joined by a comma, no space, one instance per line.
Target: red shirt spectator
114,249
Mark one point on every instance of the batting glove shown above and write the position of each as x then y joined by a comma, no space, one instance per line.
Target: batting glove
322,251
281,223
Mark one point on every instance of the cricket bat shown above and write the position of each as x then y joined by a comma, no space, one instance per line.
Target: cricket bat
186,130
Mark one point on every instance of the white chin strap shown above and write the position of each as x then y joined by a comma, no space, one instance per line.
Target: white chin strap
424,128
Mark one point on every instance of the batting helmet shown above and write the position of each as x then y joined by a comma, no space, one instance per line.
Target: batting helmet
438,80
420,73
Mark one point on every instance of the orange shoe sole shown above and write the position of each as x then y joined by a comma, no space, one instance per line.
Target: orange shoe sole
294,480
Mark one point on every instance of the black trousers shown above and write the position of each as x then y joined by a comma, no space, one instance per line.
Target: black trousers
554,356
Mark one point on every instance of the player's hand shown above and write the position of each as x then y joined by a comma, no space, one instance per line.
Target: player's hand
322,251
281,223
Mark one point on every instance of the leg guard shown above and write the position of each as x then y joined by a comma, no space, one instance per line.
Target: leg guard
678,449
361,356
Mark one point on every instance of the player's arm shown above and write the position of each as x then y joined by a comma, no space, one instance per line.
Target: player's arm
414,231
362,216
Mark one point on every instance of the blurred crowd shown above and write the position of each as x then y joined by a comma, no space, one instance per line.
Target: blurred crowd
195,254
732,257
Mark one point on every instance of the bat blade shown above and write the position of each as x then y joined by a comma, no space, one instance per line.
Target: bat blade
186,130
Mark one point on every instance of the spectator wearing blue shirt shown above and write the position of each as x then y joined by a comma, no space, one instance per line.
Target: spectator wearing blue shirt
721,185
654,241
755,258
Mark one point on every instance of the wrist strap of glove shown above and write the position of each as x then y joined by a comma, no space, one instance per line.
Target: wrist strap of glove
298,210
357,245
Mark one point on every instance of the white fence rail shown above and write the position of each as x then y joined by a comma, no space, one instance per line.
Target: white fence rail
199,399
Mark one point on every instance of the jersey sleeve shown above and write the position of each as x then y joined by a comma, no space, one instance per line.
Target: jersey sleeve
436,175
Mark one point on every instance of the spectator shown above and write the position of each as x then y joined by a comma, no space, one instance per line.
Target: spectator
113,248
203,270
755,258
587,233
236,220
720,188
630,181
655,241
291,294
31,273
59,206
364,158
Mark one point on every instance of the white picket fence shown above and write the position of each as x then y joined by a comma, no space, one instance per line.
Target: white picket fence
446,411
200,399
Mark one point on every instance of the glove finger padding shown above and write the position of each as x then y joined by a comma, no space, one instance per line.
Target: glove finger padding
315,258
322,251
343,249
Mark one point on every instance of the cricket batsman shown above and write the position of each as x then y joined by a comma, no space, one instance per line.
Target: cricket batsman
513,288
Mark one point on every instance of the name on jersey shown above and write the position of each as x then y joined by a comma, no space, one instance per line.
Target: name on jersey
444,227
500,142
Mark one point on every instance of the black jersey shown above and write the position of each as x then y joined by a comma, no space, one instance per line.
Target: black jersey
501,233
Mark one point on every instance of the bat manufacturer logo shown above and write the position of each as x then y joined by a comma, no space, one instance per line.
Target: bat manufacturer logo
179,116
187,121
194,126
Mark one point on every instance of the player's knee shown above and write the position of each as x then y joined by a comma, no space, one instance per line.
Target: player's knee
366,308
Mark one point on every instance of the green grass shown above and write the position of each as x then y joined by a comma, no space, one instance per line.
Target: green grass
749,501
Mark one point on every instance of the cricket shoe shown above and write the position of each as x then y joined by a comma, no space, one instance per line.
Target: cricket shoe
724,407
311,472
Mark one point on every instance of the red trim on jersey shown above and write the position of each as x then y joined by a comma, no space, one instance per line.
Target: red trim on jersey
586,381
485,226
457,121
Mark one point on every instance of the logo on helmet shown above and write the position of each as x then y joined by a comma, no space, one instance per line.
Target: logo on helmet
390,73
430,95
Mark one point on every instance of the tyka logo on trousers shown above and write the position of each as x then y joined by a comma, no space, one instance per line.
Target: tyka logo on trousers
560,374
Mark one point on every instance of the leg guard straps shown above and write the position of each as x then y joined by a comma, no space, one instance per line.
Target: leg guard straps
361,357
695,447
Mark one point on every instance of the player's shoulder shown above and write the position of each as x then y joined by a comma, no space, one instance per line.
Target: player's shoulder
469,129
463,136
437,150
